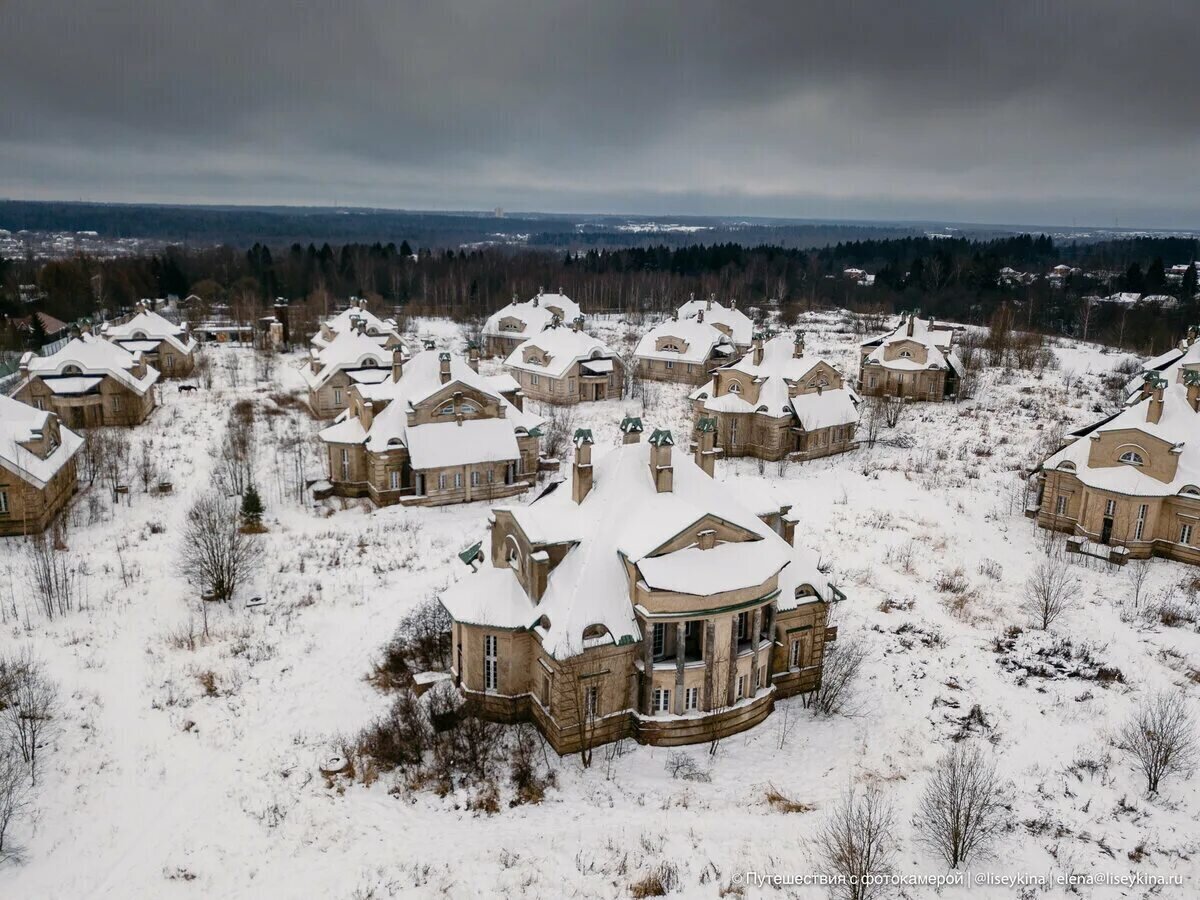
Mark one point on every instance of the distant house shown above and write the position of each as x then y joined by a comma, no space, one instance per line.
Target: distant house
383,332
916,361
566,365
163,344
53,327
517,322
350,358
777,402
1130,484
729,320
642,599
89,382
683,350
435,432
37,467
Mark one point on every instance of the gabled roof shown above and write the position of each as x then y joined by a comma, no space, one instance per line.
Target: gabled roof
1178,426
344,321
740,325
150,325
933,340
19,423
421,379
701,338
833,406
565,346
624,517
534,314
348,350
93,356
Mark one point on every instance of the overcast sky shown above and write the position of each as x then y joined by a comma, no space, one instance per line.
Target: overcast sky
1047,112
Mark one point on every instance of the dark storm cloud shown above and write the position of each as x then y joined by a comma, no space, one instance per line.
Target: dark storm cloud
1009,111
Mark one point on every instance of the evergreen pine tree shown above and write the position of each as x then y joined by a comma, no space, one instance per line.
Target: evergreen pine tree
252,507
37,332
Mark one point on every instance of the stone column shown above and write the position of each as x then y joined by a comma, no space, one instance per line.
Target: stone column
648,665
710,641
731,686
680,644
771,613
755,630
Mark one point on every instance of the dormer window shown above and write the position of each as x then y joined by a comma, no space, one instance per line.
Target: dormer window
72,370
1131,458
672,348
447,410
468,409
735,387
906,354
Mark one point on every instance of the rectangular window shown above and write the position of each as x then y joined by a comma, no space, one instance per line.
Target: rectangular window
345,464
571,385
1185,533
545,690
533,379
1060,506
394,479
670,364
337,396
489,662
591,701
169,362
743,626
794,655
442,481
660,639
741,687
3,503
692,698
491,475
662,700
757,679
1110,508
458,480
474,479
39,403
871,382
1140,527
117,403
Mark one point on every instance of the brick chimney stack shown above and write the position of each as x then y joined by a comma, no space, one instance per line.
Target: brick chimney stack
756,348
911,318
661,469
708,305
581,470
798,345
1155,407
631,430
473,356
706,451
444,361
1192,380
397,363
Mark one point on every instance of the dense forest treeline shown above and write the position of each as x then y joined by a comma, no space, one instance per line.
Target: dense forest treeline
955,279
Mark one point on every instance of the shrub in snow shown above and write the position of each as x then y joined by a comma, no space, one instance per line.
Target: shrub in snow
841,666
855,843
1049,592
1160,736
14,793
214,554
962,810
28,704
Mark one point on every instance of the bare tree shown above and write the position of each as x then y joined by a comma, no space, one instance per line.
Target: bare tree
1049,592
1139,571
51,575
235,464
892,408
14,793
214,553
840,667
28,702
1161,737
872,420
855,844
962,809
147,464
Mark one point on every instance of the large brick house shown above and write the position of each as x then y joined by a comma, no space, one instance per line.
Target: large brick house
683,350
915,361
351,358
90,382
358,318
777,402
37,467
736,325
163,344
567,365
512,325
433,433
642,599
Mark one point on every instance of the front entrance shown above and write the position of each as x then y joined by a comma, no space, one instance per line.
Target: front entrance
598,391
1106,531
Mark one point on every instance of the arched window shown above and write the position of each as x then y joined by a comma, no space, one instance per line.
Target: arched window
735,387
447,410
72,370
514,554
1131,457
1066,466
673,348
468,409
139,335
370,362
906,354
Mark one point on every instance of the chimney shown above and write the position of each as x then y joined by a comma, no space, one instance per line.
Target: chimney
444,361
539,574
368,415
756,348
1191,335
700,316
1155,407
429,344
581,471
661,470
1192,380
473,356
706,452
538,297
708,304
798,345
577,323
631,430
397,363
281,313
911,317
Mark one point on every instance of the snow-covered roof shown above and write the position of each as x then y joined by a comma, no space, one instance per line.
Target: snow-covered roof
1178,425
21,424
476,440
377,329
535,315
564,346
779,366
623,517
149,325
740,325
699,337
93,356
936,342
348,350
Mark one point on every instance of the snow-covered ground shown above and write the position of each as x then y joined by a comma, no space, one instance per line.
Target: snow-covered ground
165,781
